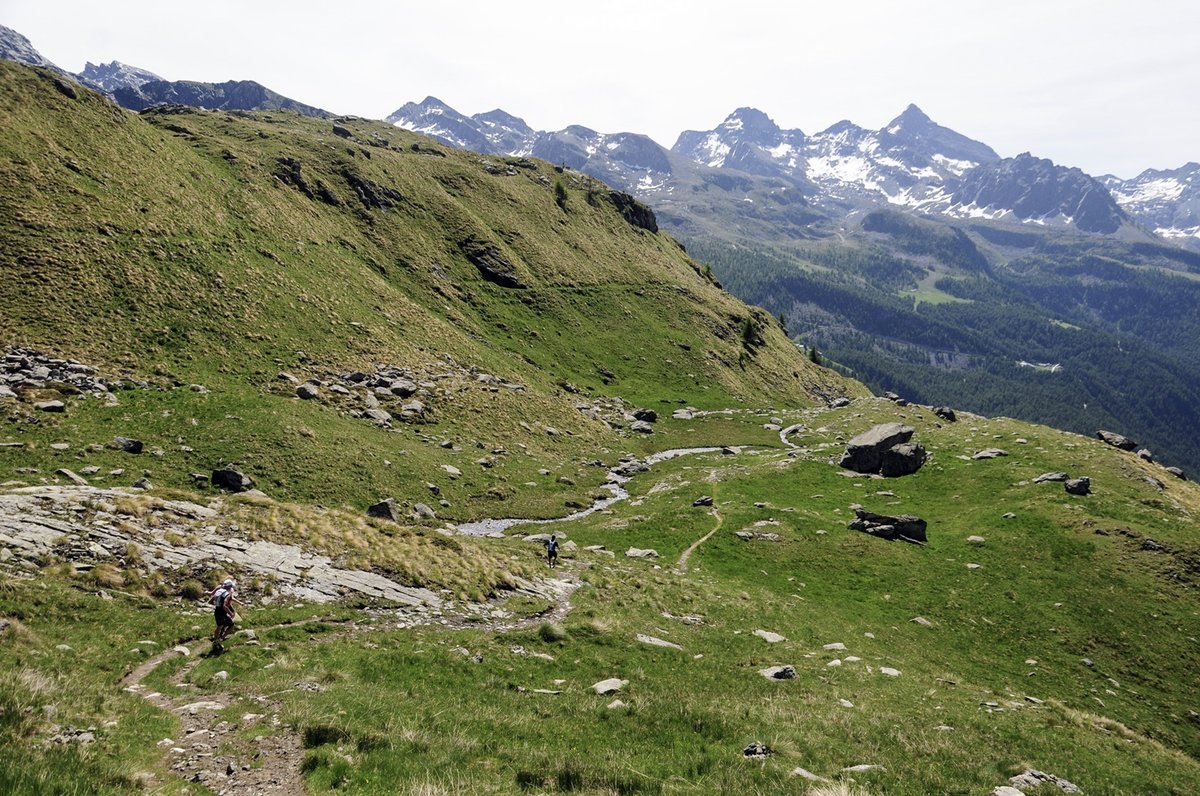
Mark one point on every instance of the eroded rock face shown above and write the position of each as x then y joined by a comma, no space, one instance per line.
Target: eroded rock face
904,527
1078,486
901,460
232,480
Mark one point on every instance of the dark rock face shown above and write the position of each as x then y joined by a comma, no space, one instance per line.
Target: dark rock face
1078,486
901,460
649,415
864,453
1116,440
244,95
904,527
634,211
1035,188
372,196
232,480
1175,471
492,265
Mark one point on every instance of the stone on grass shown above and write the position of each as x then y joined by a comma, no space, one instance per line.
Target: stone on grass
1116,440
779,672
78,480
641,427
1032,778
990,453
385,509
904,527
769,637
902,460
804,773
758,750
922,621
1006,790
609,686
703,500
1055,476
975,540
307,392
50,406
836,646
1078,486
452,471
637,552
945,413
657,642
232,480
889,671
424,512
616,703
1175,471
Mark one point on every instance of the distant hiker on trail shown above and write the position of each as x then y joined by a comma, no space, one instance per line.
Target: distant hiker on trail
224,613
552,551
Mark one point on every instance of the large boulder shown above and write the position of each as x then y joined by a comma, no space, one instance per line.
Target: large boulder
904,527
1116,440
900,460
864,453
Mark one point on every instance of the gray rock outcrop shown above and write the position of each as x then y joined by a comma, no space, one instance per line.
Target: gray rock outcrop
1116,440
1078,486
231,480
904,527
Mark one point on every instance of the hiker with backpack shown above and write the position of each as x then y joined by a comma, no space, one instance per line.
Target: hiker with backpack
224,613
552,551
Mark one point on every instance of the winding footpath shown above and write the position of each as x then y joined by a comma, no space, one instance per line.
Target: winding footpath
681,566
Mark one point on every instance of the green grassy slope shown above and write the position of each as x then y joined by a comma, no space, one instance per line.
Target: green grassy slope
1064,580
190,247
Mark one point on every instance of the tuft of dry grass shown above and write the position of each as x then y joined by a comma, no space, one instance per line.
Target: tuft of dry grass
839,788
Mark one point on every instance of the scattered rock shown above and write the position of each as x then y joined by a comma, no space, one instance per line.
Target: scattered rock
889,671
609,686
1056,476
231,480
839,403
703,500
50,406
758,750
1032,778
386,509
641,427
1145,455
769,637
945,413
804,773
1175,471
1116,440
779,672
423,512
657,642
975,540
1005,790
647,415
1078,486
615,704
451,471
143,483
836,646
637,552
922,621
861,767
307,392
72,477
904,527
990,453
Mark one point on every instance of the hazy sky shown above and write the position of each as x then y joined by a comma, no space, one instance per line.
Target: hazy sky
1106,85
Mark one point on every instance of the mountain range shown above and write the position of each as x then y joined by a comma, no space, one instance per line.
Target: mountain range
913,257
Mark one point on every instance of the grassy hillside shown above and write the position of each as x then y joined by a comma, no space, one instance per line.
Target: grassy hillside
187,247
1062,642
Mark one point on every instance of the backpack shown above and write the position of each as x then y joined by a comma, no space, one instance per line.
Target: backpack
219,596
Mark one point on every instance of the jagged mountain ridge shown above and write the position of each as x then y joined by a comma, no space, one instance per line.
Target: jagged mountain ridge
911,162
136,88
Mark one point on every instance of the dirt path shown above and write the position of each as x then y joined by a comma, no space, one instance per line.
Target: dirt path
209,750
681,566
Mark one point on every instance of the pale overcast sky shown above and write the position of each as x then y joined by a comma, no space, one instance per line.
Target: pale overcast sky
1111,86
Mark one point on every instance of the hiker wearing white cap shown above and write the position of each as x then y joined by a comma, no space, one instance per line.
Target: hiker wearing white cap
224,613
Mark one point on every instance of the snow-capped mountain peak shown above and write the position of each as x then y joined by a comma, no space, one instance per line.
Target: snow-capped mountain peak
114,75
